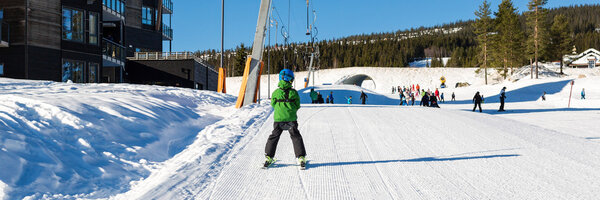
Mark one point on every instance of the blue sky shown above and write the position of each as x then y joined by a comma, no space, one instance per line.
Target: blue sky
197,23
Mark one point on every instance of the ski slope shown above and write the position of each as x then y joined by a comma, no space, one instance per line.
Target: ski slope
392,152
122,141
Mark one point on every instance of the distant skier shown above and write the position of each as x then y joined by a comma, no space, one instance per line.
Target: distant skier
285,102
313,95
412,98
349,99
401,98
442,97
477,101
327,100
544,96
330,97
502,97
363,97
320,98
583,93
433,102
437,94
425,100
453,97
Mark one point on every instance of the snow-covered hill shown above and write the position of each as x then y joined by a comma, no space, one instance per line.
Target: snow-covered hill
123,141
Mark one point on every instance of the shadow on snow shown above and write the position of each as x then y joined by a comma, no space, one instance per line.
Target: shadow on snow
424,159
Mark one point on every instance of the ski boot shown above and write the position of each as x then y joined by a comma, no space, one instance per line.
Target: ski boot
302,162
268,162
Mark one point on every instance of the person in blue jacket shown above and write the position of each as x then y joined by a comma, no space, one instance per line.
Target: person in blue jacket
583,93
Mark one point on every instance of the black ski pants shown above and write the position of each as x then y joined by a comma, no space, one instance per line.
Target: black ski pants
501,104
477,104
292,128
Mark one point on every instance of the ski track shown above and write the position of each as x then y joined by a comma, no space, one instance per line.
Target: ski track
383,152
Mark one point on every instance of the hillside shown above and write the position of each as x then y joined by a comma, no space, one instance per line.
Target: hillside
397,49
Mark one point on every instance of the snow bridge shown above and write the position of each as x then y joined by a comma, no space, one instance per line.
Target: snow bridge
358,80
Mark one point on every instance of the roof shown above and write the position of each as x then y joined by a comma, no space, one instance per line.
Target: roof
582,58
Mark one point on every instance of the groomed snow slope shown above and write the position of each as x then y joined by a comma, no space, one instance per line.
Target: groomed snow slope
148,142
391,152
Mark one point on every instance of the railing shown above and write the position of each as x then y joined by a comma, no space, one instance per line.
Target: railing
117,6
167,31
4,32
168,4
170,56
113,50
163,56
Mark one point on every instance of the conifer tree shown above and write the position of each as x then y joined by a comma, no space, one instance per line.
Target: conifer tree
536,17
240,60
510,36
483,28
561,41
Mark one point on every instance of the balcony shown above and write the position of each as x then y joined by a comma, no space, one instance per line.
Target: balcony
113,10
167,32
167,7
113,54
4,34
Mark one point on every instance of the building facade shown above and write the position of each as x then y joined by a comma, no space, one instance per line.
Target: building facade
84,41
587,59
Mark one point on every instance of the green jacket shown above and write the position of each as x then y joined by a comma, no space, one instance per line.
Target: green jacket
314,95
285,111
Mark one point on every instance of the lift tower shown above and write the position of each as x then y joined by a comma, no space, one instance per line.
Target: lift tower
253,69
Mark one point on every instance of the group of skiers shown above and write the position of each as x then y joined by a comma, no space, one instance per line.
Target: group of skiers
408,96
316,97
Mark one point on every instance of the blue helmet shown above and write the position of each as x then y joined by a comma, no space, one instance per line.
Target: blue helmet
286,75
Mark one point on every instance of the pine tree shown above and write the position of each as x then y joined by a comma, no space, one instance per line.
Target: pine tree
510,36
483,28
240,60
536,17
561,41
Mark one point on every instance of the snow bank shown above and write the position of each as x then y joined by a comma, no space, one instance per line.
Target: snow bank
61,140
192,170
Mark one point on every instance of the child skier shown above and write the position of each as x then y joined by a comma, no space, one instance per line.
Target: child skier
285,102
349,99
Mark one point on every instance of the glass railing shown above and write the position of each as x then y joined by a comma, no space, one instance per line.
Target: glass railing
167,31
113,50
116,5
168,4
4,31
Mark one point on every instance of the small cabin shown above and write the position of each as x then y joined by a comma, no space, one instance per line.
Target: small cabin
588,59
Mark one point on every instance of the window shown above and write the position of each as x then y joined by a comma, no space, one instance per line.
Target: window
1,69
592,63
72,70
93,28
93,72
147,15
72,25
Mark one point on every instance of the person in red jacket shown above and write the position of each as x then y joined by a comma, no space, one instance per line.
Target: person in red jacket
437,94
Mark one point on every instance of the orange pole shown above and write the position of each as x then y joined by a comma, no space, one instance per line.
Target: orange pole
240,100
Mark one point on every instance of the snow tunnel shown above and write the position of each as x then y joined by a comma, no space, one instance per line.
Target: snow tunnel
361,80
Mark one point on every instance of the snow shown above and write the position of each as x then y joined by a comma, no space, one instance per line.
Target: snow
92,140
122,141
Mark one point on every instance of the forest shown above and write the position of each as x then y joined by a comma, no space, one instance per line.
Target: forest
562,29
